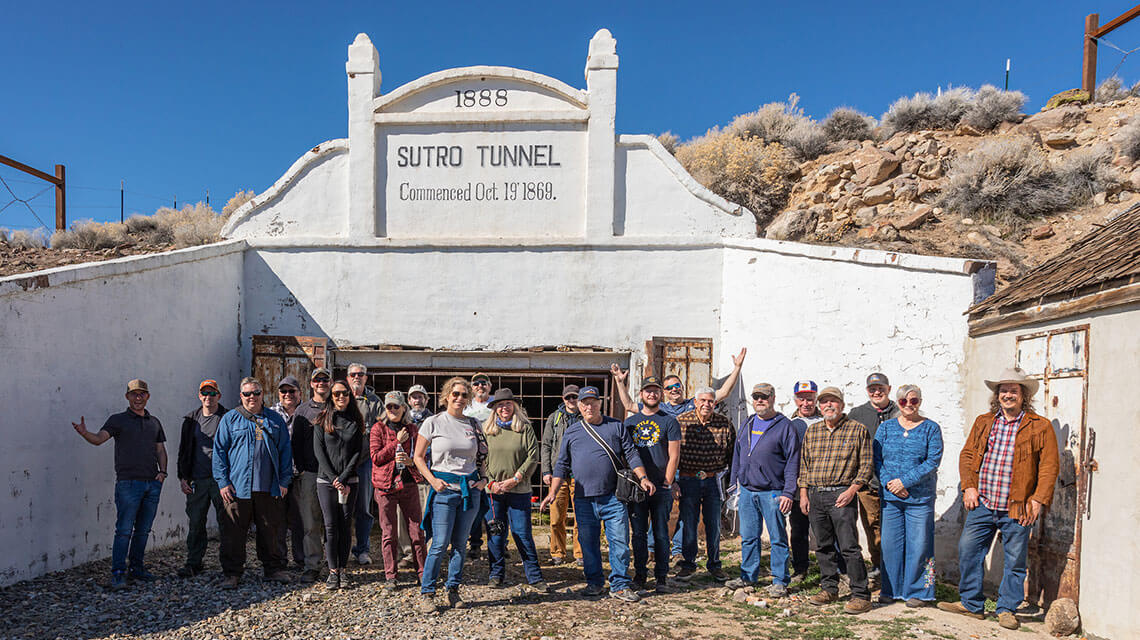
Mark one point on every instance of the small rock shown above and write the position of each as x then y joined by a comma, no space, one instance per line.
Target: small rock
888,233
1125,196
878,195
921,214
1060,139
978,239
866,216
1042,232
786,613
966,130
1100,199
740,595
817,197
792,225
967,221
758,603
930,170
1063,617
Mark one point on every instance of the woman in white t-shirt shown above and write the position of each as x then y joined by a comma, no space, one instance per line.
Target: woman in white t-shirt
457,478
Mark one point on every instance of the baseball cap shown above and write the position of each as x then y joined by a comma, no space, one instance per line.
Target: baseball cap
480,376
832,391
878,378
137,385
289,381
650,381
764,388
393,397
318,371
208,384
568,389
417,388
588,392
804,386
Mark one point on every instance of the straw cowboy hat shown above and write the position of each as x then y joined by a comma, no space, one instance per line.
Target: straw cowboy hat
1015,376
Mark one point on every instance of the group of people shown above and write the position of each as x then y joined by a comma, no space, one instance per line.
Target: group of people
300,471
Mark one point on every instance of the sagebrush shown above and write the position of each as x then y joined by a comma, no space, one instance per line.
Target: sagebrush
744,170
189,226
783,123
845,123
983,109
1128,139
1110,90
23,238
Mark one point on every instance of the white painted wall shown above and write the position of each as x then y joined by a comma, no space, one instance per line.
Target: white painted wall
70,339
1110,550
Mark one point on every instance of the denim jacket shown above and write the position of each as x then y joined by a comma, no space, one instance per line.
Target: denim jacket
233,451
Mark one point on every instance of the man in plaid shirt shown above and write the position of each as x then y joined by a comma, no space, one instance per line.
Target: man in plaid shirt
835,462
1008,468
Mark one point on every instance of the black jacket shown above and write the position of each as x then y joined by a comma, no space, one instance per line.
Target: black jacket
339,453
186,443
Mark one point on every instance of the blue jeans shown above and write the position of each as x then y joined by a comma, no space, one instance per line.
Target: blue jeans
977,534
450,525
759,509
700,498
363,515
651,515
675,550
590,514
136,502
513,509
908,550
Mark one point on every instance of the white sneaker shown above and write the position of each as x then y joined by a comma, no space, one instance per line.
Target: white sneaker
363,558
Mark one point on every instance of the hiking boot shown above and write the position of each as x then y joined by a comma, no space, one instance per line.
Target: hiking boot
454,599
118,580
738,583
189,571
363,558
664,588
823,597
798,577
279,576
231,582
540,587
389,586
345,579
593,590
626,595
333,581
639,582
777,590
684,574
915,603
1008,620
427,603
142,575
883,598
855,606
310,576
497,582
960,609
718,574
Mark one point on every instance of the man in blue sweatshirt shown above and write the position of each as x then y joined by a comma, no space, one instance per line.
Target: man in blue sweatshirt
765,466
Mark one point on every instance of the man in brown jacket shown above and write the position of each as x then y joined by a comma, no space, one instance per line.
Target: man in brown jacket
1008,468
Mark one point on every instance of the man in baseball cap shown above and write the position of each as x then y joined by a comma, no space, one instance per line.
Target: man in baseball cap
556,423
878,409
195,472
804,394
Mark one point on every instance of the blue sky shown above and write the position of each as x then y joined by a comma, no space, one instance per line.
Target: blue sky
178,98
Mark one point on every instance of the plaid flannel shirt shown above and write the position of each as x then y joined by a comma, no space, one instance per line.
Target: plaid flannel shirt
705,447
835,457
996,474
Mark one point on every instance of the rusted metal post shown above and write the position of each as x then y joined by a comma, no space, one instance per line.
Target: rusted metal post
1088,67
60,199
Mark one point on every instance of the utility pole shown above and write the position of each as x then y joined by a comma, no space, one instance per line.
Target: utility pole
58,180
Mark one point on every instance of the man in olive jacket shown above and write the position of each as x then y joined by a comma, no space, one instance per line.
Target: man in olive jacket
566,415
1008,469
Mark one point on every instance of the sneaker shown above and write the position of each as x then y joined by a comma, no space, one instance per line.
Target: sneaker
333,581
684,574
309,576
363,558
823,597
884,598
556,560
188,571
388,586
345,579
454,599
855,606
118,580
540,587
664,588
593,590
777,590
231,582
427,603
1008,620
142,575
915,603
718,574
738,583
798,577
626,595
960,609
279,576
497,582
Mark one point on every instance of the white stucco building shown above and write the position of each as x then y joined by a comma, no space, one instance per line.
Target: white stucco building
476,219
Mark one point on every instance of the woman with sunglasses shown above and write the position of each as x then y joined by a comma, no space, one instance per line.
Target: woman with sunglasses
512,456
907,452
394,478
338,443
455,473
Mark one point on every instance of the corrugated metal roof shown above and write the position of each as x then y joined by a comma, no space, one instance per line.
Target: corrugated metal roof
1105,258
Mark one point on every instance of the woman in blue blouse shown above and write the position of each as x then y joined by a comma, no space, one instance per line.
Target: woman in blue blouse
908,449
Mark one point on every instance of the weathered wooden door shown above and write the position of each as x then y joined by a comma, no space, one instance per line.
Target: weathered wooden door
1060,360
275,357
688,358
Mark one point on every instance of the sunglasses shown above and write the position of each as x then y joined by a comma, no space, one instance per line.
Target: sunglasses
761,396
287,392
341,394
914,402
248,394
357,374
207,394
481,383
458,394
570,397
673,387
320,379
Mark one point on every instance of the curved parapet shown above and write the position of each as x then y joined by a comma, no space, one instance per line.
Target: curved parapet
310,199
444,94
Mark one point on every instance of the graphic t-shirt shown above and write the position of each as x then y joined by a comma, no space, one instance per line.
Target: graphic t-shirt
651,434
757,428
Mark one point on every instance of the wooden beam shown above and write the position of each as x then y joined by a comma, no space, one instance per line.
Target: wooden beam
16,164
1125,17
979,326
60,199
1088,63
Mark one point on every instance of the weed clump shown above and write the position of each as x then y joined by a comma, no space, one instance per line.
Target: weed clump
23,239
192,225
1112,89
783,123
846,123
1128,139
983,109
745,170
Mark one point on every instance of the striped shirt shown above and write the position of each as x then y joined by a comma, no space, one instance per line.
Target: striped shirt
705,447
996,474
836,457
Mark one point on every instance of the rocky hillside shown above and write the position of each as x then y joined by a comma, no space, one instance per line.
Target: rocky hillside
887,194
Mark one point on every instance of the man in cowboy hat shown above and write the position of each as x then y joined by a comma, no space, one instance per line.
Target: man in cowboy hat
1008,468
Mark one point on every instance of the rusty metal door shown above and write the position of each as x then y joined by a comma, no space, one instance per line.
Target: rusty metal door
688,358
1059,359
275,357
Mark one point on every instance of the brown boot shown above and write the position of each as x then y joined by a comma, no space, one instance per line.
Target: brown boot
823,597
855,606
957,607
1008,620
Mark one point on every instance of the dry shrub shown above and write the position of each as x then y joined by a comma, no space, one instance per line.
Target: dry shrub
189,226
846,123
1010,180
234,203
1128,139
24,239
992,106
745,170
669,140
88,234
949,107
784,123
983,109
1110,90
908,114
